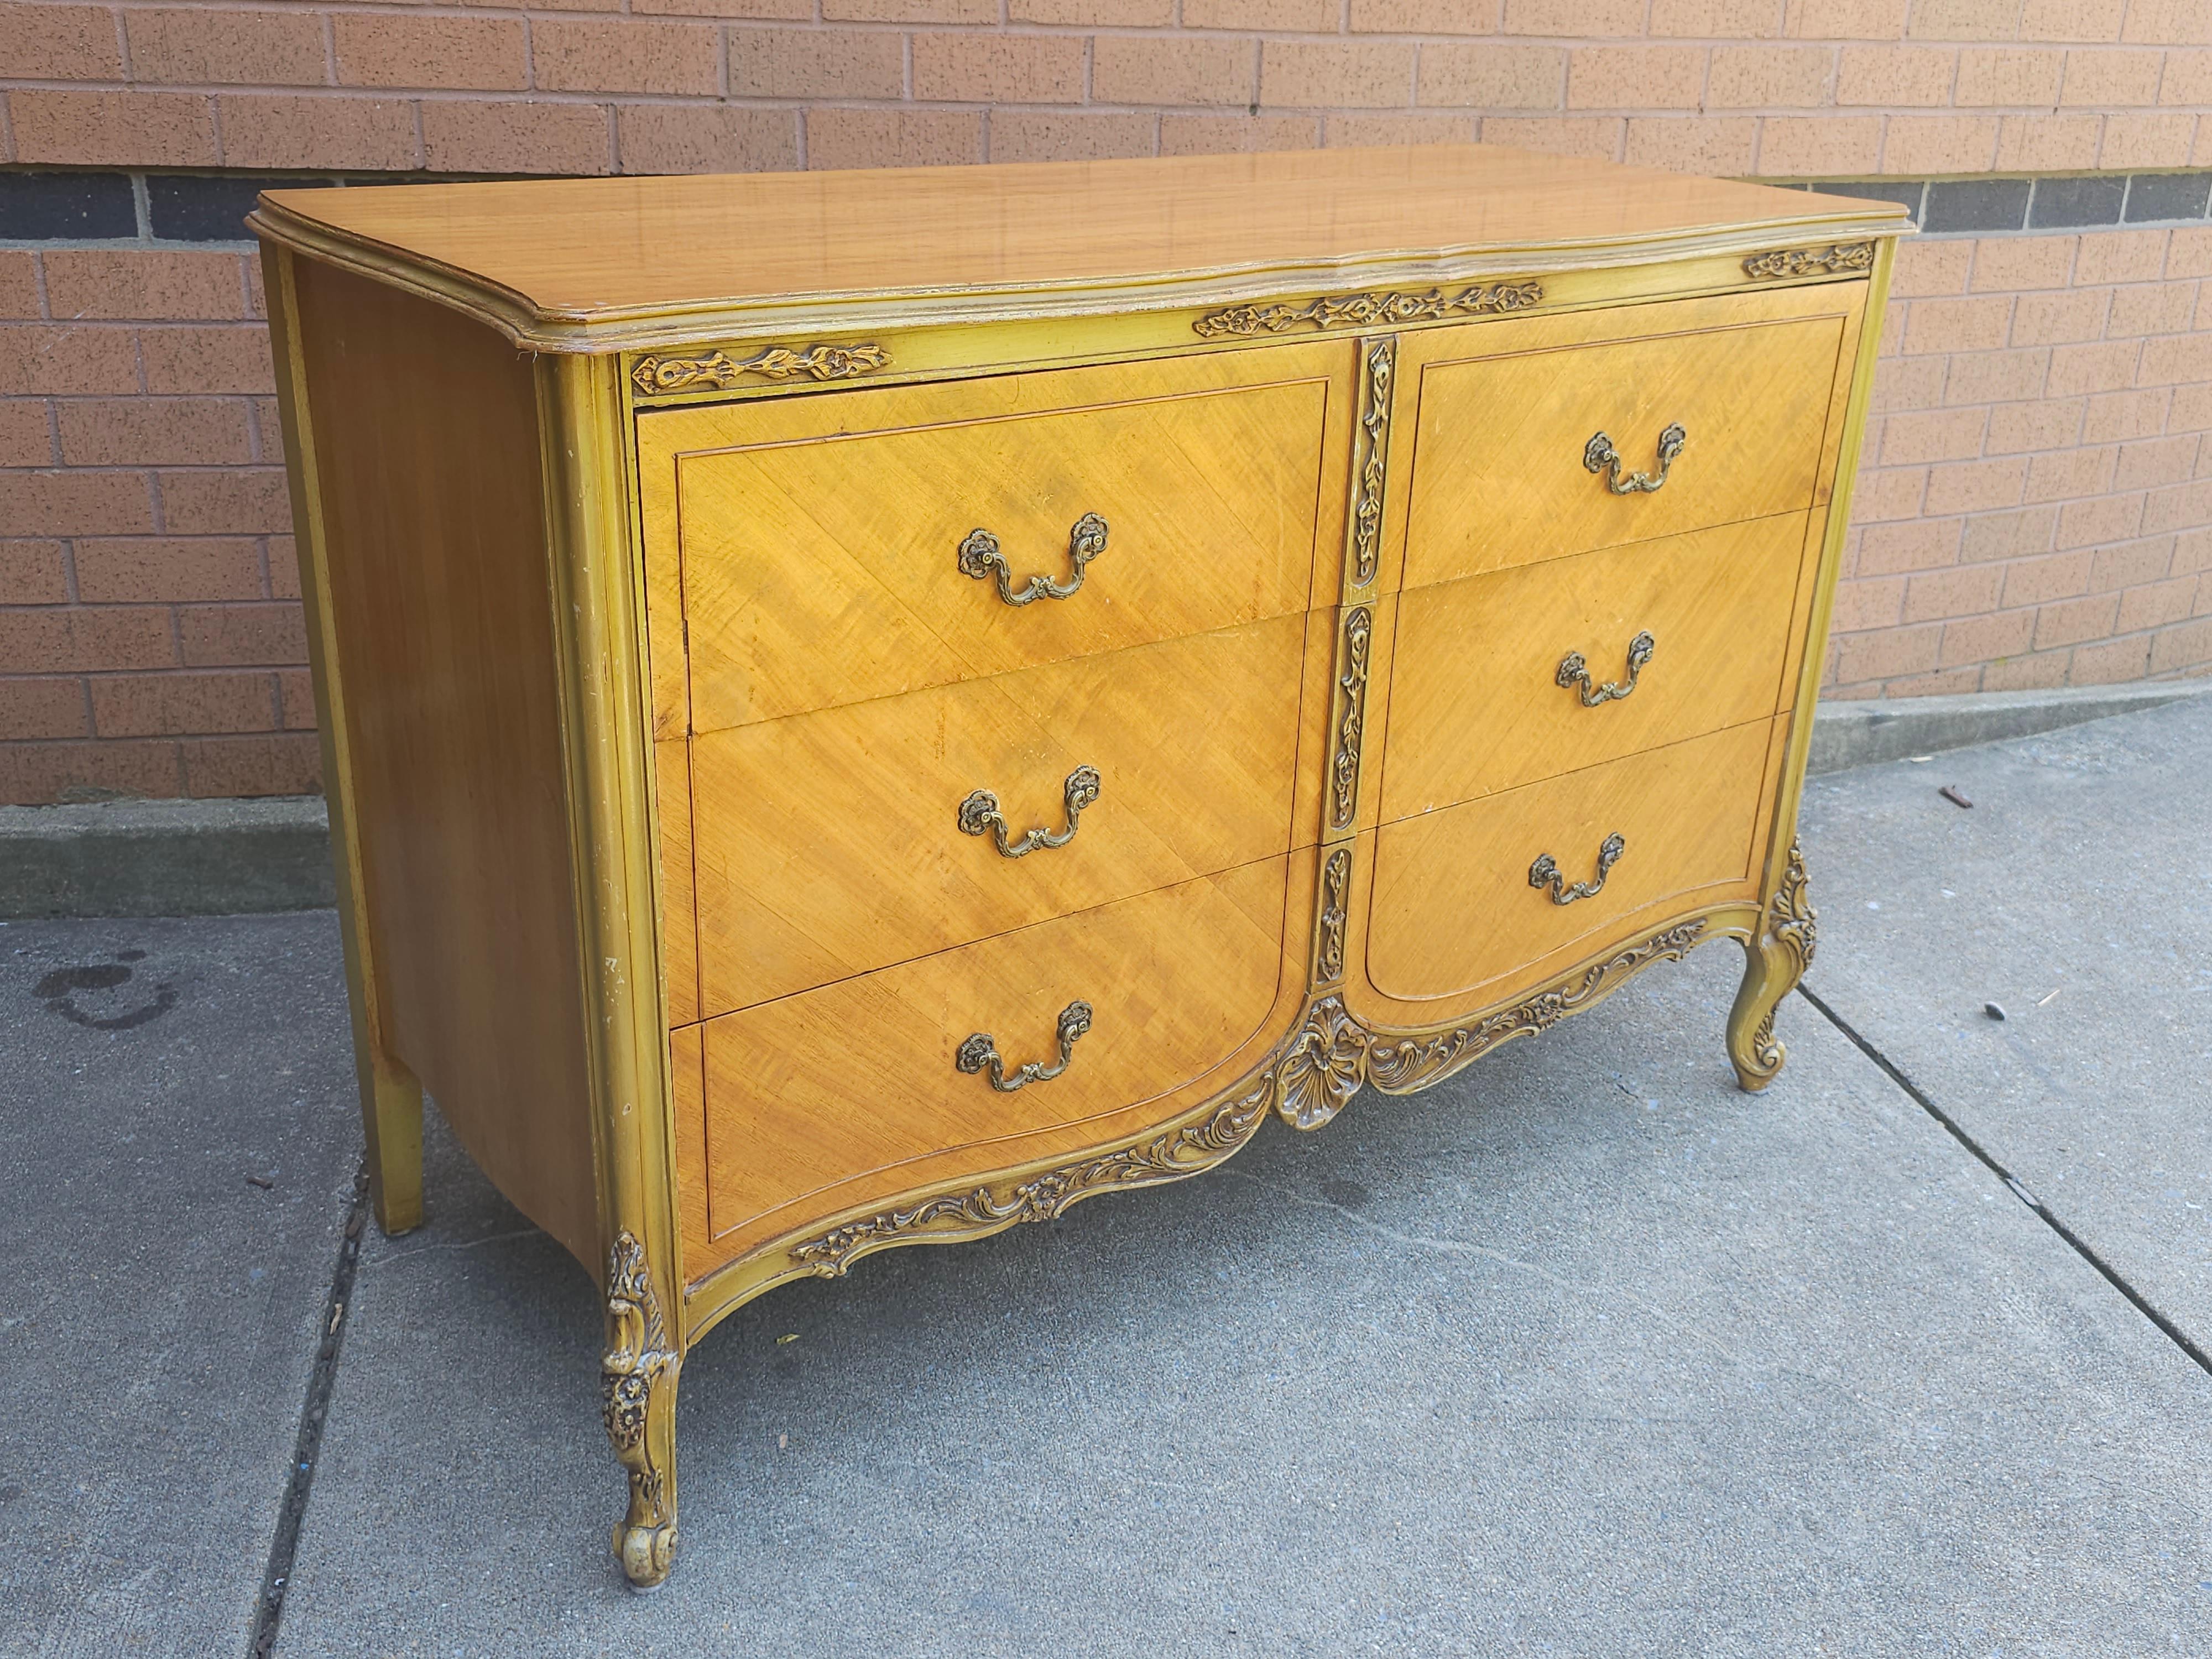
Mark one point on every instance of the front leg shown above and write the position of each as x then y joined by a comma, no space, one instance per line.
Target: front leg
1773,963
638,1377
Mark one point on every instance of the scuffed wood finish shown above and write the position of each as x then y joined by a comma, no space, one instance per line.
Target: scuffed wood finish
1689,813
807,1095
1717,604
1194,742
1504,413
804,588
443,630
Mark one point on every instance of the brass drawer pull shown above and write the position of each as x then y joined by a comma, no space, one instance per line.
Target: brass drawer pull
979,1052
1545,874
980,557
980,812
1600,456
1574,673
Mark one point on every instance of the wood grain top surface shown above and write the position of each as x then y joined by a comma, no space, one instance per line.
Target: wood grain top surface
580,249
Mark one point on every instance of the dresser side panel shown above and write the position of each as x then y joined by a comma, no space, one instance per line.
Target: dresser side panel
427,448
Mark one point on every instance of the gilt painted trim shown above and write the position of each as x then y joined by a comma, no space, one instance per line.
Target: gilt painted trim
656,377
1793,926
1371,457
1329,927
1351,718
1364,310
1841,259
639,1365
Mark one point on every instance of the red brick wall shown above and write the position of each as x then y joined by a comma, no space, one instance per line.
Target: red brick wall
2033,513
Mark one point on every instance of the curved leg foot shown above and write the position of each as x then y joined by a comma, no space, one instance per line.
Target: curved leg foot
638,1377
1773,963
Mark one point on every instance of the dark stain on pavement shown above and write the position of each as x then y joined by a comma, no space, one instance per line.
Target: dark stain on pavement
59,990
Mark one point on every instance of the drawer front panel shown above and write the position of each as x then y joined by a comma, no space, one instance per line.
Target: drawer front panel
1454,907
1501,474
932,535
862,1076
831,843
1693,630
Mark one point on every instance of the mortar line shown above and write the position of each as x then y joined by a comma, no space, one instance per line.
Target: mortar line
269,1614
2043,1212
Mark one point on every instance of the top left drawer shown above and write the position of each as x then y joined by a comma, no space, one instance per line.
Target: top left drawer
808,551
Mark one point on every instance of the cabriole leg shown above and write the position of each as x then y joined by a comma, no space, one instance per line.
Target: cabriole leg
1773,963
638,1375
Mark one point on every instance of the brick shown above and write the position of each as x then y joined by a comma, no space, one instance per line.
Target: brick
2011,263
2120,256
2099,519
2113,661
371,134
2172,361
1862,604
2068,475
996,69
447,54
1890,77
239,501
1489,77
2008,535
2114,416
2041,670
772,63
1997,377
1692,144
888,138
296,699
1890,494
1914,545
2193,551
2106,366
1362,75
206,360
1280,16
568,54
2169,23
1221,135
768,11
75,504
2107,80
38,359
154,432
515,136
1166,69
2189,253
115,129
1026,136
1909,382
42,708
2049,143
2189,646
229,635
2191,410
2156,604
199,46
224,767
2181,508
910,11
1894,651
2043,424
2008,75
1931,268
168,570
1635,78
73,639
1819,147
1976,486
2142,143
2039,582
59,43
33,572
2130,564
2188,78
1985,638
1844,20
173,705
1947,434
1574,20
26,433
1598,137
716,138
1916,145
1709,20
37,774
1426,16
2069,622
1965,591
1768,78
157,285
1094,14
1981,323
19,283
283,569
1359,132
2072,20
2061,318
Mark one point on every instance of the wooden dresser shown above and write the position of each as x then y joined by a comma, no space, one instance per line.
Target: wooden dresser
862,708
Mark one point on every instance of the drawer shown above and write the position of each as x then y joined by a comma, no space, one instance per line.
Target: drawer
1454,908
844,546
1501,470
831,843
806,1093
1477,704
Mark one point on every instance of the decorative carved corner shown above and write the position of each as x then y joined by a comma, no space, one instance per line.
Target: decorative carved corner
1329,945
1351,718
1835,260
1373,457
1792,932
1369,310
637,1370
657,376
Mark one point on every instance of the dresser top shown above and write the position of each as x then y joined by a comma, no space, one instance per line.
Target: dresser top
599,264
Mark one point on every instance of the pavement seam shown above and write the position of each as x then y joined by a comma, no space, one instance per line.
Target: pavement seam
269,1614
2043,1212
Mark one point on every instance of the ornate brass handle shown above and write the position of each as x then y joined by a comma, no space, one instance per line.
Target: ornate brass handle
1600,456
1574,673
980,812
979,1052
980,557
1545,874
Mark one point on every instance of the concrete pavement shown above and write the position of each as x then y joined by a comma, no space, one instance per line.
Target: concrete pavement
1584,1353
